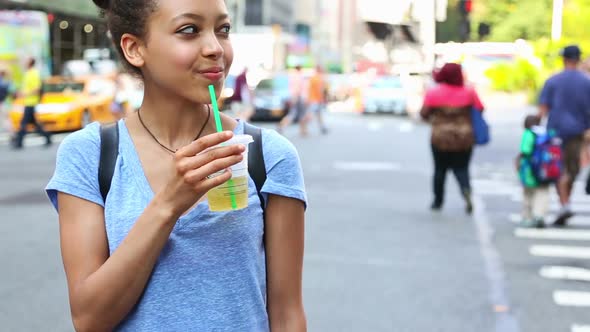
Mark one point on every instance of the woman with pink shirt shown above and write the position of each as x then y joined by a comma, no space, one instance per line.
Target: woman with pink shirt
447,106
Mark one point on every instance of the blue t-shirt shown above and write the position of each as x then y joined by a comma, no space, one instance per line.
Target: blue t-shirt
211,275
567,95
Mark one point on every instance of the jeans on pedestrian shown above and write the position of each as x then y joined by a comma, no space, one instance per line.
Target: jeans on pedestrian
29,118
458,162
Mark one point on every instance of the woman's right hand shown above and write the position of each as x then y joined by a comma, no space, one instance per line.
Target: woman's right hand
189,179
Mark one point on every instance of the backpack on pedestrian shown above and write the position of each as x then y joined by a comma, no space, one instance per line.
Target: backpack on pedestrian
539,163
546,159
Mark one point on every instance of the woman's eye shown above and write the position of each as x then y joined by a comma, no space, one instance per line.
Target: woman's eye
191,29
225,29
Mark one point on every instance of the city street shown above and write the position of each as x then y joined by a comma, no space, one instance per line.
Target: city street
377,259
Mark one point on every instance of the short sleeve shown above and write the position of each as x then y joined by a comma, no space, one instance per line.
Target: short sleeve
76,168
527,144
546,96
284,175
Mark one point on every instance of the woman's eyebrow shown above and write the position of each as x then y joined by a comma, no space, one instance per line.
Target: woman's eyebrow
198,17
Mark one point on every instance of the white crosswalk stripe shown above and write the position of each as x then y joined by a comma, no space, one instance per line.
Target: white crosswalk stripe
553,234
580,328
565,273
571,298
560,251
570,245
575,221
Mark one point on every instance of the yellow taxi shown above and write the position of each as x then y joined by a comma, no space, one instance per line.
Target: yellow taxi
68,104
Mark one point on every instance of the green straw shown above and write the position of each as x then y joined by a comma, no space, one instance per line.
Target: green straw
230,182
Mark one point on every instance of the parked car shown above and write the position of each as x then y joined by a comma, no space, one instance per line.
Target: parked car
272,98
385,95
69,104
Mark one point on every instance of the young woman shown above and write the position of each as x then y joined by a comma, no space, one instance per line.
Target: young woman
152,257
448,106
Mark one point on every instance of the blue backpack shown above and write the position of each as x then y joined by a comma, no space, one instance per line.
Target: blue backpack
546,159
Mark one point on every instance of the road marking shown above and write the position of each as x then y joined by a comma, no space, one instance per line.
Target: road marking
553,234
580,328
571,298
505,319
375,126
4,138
560,251
583,221
406,127
565,273
365,166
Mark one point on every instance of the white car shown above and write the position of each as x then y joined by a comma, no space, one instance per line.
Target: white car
385,95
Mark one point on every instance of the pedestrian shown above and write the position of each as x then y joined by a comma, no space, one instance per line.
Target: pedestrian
242,99
316,99
535,193
5,91
5,86
31,95
152,257
448,107
297,102
565,100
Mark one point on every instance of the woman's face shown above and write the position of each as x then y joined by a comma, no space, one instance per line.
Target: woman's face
188,47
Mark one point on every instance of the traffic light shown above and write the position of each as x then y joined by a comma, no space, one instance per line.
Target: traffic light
465,6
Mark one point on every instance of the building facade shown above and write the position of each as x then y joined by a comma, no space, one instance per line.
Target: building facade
74,25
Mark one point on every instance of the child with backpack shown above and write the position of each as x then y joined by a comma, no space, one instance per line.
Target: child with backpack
539,165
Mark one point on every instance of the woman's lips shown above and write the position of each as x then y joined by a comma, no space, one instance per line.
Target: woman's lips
213,76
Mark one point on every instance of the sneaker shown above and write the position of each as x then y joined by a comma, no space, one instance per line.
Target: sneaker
539,223
527,223
562,218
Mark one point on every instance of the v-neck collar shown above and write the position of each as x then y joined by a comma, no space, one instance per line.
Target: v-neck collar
127,148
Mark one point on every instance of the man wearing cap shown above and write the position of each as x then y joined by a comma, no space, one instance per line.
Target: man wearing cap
565,99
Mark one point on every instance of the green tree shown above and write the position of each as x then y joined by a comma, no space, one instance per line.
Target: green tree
576,19
449,30
514,19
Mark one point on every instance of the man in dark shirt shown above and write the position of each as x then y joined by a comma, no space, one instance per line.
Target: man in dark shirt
565,99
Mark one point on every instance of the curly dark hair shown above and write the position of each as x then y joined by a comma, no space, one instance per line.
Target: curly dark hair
127,16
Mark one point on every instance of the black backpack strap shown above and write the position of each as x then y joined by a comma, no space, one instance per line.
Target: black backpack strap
256,166
109,150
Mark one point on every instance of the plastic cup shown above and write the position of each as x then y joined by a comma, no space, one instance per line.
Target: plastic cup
233,194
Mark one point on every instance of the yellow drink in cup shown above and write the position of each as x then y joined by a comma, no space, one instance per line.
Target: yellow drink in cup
219,197
233,194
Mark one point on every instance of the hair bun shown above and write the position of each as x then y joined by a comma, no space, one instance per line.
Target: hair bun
103,4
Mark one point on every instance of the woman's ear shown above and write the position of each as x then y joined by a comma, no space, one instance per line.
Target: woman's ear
133,50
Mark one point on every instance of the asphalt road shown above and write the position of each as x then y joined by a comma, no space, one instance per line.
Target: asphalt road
376,258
